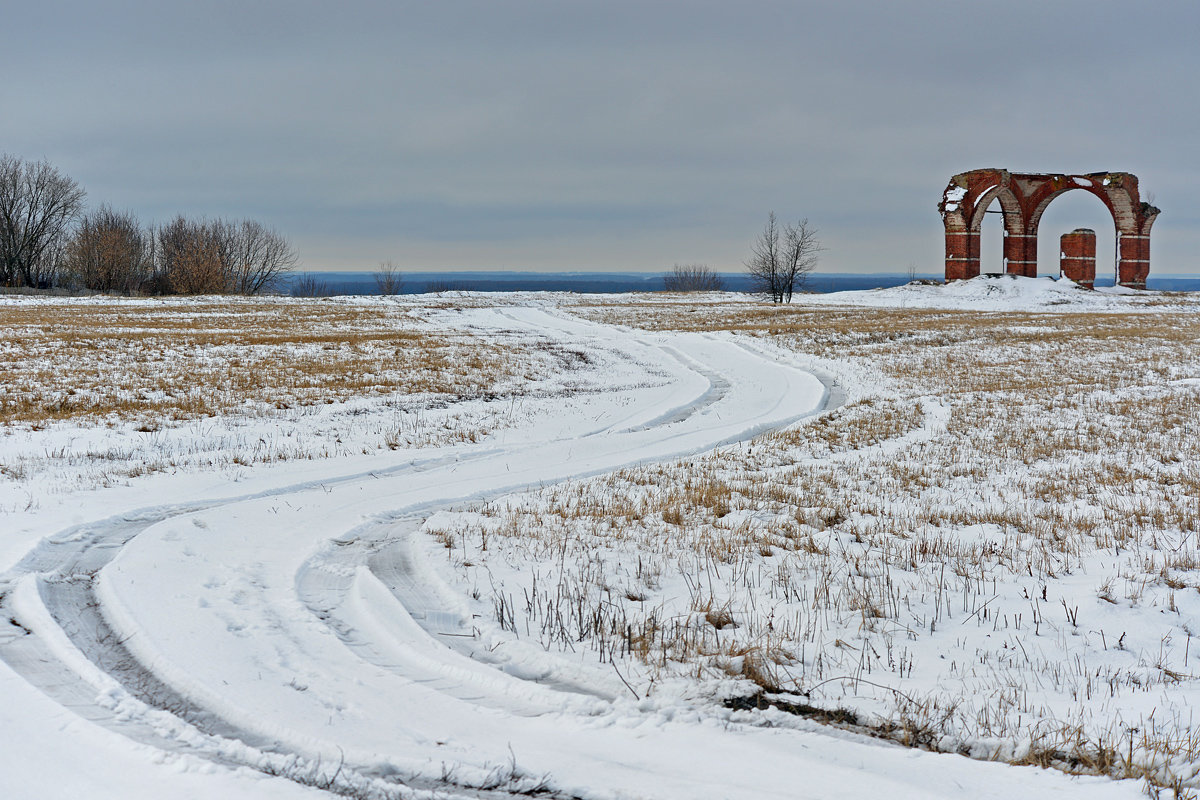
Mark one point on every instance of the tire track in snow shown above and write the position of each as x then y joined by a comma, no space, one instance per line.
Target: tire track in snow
72,655
347,591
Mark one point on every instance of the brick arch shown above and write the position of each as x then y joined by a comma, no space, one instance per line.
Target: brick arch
1014,225
1050,190
1118,208
1023,199
1010,204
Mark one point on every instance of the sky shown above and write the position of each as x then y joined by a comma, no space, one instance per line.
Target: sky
616,136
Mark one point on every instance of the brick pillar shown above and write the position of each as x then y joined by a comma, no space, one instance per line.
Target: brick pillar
1020,254
1077,256
962,254
1134,260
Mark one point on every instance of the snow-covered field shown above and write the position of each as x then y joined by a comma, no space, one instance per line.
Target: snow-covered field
601,547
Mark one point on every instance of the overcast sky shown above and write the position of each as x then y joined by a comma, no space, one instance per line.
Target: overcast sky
606,135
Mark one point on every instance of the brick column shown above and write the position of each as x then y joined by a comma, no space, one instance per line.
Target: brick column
1134,260
1077,256
962,254
1020,254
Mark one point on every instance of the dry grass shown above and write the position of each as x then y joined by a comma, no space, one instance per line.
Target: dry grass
998,553
157,361
101,391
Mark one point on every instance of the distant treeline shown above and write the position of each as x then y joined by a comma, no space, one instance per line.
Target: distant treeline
343,282
48,241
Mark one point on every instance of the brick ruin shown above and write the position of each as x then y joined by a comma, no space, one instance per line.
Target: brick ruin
1077,256
1023,199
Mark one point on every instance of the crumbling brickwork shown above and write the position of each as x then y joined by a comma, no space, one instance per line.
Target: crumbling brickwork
1023,199
1077,256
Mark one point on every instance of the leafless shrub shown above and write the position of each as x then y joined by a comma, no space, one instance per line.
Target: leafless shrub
189,259
310,286
388,279
693,278
108,252
37,205
437,287
220,257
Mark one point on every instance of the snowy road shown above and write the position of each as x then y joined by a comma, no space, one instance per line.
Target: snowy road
300,630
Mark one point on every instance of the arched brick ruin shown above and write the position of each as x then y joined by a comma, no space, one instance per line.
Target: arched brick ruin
1023,199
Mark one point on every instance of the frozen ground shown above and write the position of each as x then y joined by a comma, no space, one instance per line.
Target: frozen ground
433,615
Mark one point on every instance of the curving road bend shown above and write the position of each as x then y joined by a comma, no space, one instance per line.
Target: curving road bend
299,632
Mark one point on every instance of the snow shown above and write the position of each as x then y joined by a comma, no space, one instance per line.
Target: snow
1000,294
300,616
48,751
251,620
953,198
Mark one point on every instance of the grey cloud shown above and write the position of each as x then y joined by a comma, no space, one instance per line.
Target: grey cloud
606,135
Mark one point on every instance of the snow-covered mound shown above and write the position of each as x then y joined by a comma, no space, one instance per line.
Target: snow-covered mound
1001,293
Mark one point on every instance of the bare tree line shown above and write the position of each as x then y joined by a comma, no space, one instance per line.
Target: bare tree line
47,241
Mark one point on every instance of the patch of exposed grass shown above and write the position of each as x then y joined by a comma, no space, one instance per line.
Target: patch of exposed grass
157,361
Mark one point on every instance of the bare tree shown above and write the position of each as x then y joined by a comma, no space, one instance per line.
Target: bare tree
764,263
693,278
782,259
108,252
37,206
800,249
389,279
255,257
